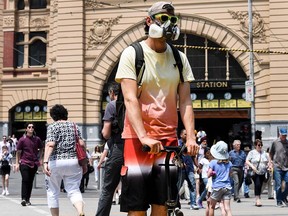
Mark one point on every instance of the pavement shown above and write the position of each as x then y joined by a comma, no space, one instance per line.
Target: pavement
10,205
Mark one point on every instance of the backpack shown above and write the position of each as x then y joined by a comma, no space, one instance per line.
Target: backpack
140,69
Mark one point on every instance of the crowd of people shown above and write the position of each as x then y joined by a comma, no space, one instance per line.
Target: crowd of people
199,170
235,169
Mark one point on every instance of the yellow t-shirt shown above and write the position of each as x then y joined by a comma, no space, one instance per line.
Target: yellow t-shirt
158,92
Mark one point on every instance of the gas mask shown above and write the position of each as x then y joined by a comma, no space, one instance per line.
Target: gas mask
166,30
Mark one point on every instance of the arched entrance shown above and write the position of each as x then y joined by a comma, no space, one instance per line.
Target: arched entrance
219,104
29,111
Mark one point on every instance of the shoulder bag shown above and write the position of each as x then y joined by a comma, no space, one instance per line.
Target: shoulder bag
250,173
81,154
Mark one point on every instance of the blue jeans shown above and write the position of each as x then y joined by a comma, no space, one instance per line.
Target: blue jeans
192,193
245,188
203,194
279,176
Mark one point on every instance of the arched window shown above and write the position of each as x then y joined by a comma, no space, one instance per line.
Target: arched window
210,64
35,54
37,49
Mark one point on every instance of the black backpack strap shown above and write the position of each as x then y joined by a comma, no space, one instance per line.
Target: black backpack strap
178,60
139,61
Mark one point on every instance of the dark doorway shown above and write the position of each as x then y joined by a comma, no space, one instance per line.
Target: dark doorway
218,128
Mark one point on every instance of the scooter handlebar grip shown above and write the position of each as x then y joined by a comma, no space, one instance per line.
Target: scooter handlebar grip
146,148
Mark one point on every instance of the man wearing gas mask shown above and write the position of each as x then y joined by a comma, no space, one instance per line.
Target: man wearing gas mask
151,114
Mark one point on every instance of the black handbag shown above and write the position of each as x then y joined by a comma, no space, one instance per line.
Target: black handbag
248,177
90,169
266,176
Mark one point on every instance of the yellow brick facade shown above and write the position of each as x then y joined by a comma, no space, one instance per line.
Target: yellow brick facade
86,38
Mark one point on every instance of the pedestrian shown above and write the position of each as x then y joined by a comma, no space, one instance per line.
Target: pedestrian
95,155
200,134
204,167
183,137
5,169
198,173
151,113
279,155
245,186
184,190
219,169
28,159
111,132
4,142
61,162
86,176
188,173
15,141
270,181
237,158
258,160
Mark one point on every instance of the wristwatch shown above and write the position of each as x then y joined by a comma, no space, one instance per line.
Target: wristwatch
45,162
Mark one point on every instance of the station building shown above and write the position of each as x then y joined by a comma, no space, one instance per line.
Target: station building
66,51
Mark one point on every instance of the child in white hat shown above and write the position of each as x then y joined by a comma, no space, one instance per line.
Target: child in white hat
219,169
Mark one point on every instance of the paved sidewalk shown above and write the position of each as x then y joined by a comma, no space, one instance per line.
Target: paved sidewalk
10,205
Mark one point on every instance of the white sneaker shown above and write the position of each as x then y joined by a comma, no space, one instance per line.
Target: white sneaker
7,192
4,192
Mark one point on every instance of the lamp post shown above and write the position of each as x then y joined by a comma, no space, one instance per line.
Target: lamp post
251,68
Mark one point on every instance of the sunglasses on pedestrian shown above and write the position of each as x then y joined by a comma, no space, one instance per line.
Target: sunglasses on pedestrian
260,145
29,127
164,18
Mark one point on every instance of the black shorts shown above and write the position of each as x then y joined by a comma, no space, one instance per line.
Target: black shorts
5,170
143,180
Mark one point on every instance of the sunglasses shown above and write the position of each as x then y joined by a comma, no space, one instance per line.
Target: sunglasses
259,145
164,18
30,127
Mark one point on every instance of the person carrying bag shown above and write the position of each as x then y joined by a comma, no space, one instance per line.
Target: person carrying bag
259,163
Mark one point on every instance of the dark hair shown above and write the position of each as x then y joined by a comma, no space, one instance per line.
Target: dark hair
203,138
146,28
115,87
206,150
28,123
58,112
258,141
4,147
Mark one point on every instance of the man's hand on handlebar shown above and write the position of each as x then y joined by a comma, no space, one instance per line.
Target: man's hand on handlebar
154,145
192,147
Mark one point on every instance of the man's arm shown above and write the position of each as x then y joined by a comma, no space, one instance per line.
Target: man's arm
18,154
106,130
271,152
102,158
129,89
187,116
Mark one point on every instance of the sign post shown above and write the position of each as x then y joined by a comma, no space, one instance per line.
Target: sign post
249,91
